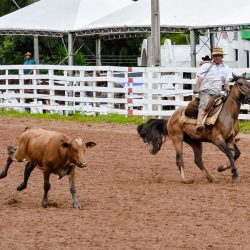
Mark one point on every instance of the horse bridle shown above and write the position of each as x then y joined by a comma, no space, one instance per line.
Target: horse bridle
241,101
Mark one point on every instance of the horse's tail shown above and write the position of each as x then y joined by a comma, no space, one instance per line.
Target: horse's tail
154,133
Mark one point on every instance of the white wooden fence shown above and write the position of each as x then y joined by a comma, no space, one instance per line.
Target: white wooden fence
99,90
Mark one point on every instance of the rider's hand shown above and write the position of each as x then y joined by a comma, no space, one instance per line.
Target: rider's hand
227,89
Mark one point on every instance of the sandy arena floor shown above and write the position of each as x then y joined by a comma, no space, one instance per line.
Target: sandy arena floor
130,199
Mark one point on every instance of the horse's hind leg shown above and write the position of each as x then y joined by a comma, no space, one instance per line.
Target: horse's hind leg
197,148
178,144
236,152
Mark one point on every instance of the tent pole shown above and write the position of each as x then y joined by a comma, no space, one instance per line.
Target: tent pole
149,51
36,49
155,32
212,40
98,51
70,49
193,48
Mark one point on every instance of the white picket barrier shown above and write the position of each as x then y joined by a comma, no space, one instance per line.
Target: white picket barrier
92,90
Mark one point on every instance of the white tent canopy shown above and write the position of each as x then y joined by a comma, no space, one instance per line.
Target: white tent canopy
189,14
122,17
58,16
101,16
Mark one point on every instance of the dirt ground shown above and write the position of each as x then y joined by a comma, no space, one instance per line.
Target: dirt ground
130,199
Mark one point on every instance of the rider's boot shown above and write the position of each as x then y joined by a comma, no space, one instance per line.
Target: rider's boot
200,124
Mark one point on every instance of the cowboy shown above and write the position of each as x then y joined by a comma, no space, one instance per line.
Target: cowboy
28,61
205,59
211,76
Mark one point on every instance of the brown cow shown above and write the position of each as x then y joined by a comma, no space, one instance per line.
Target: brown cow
52,152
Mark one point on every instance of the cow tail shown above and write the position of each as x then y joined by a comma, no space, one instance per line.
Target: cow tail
11,150
154,133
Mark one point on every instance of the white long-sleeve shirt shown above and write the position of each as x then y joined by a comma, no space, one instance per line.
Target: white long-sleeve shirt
213,78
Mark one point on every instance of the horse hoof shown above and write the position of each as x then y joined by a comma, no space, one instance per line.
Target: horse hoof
236,179
45,205
221,168
212,180
188,181
3,175
21,187
77,205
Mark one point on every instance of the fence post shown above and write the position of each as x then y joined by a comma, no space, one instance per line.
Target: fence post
51,91
179,86
82,92
94,92
159,96
21,83
130,94
149,86
110,85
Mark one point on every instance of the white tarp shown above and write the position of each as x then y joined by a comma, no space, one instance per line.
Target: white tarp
180,13
77,15
59,15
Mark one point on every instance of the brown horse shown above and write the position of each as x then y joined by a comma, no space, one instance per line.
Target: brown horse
222,134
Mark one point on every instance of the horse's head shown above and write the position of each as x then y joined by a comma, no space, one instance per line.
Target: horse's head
241,88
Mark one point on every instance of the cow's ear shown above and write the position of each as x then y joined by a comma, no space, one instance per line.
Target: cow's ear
65,145
90,144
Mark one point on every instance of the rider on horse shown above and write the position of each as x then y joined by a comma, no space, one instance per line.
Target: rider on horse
211,76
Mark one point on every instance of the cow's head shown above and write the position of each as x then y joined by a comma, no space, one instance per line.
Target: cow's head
76,151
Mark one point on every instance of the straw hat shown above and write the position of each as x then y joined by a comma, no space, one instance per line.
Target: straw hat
217,51
28,54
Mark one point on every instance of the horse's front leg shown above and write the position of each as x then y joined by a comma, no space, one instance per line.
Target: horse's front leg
235,150
226,149
178,144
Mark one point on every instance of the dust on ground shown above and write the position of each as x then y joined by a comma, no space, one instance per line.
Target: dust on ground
130,199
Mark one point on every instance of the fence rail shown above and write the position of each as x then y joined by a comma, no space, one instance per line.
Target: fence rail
99,89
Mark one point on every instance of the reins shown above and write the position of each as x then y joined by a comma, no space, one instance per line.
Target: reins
241,102
235,99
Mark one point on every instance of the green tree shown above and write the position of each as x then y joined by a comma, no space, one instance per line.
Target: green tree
176,38
6,52
8,6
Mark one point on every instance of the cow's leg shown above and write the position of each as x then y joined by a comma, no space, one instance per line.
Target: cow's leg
27,171
72,189
11,151
46,176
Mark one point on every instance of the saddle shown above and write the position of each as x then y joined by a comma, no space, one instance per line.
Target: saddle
212,110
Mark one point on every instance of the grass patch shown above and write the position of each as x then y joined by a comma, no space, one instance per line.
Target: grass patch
245,127
111,118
